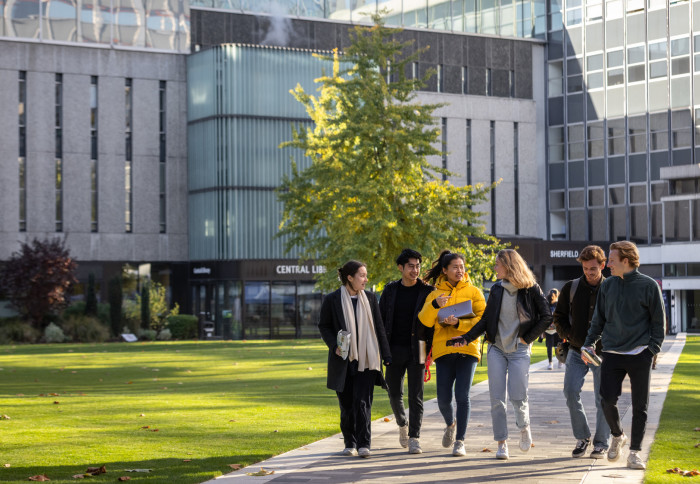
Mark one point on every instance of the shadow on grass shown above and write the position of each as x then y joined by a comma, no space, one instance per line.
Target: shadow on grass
163,471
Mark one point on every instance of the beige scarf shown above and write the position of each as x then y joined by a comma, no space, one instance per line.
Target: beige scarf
363,344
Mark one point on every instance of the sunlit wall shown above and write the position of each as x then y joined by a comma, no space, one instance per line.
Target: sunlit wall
151,24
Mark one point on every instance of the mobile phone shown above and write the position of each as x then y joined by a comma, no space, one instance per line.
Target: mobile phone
451,342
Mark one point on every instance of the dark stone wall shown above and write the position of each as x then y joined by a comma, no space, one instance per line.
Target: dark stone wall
453,51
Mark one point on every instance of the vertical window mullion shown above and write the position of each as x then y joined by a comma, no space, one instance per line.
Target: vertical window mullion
93,154
492,162
163,155
22,160
516,185
59,152
128,155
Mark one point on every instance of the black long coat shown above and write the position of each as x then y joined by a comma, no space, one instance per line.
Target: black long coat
331,321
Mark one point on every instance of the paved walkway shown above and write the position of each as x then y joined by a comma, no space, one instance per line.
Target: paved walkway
549,461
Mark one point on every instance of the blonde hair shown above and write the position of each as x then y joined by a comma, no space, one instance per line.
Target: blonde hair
517,271
626,250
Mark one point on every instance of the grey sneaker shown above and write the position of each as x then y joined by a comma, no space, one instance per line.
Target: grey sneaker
414,446
349,451
502,452
598,452
363,452
634,460
581,447
448,438
458,450
616,447
525,439
403,436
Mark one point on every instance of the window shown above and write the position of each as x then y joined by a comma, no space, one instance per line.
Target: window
465,80
576,142
93,153
163,122
128,163
492,163
596,137
635,64
594,71
22,121
511,83
469,151
555,77
616,137
616,72
516,167
58,169
574,69
658,131
489,86
657,60
440,79
556,144
414,70
443,135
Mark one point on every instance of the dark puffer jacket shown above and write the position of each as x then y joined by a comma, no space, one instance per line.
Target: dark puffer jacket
533,312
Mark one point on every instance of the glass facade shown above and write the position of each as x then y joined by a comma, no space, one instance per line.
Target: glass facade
152,24
621,93
239,111
508,18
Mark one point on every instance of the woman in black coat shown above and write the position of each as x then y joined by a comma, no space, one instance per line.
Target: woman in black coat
353,375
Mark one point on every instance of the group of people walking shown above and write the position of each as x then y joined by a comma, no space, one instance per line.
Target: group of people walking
620,318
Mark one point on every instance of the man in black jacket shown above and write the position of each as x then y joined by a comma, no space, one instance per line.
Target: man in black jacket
399,306
572,319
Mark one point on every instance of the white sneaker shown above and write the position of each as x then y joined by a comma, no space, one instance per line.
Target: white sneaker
414,446
363,452
634,460
502,452
349,451
458,450
616,447
448,438
550,367
525,439
403,436
559,364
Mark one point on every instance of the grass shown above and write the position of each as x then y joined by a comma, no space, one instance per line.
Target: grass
676,439
206,405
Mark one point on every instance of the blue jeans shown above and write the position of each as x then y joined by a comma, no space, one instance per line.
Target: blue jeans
574,377
455,370
511,370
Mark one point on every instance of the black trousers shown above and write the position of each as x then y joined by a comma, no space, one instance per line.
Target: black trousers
612,373
402,364
552,340
356,408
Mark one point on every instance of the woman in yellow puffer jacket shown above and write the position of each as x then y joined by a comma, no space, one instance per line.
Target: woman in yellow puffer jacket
455,365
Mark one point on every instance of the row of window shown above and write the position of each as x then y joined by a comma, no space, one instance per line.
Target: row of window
58,137
483,86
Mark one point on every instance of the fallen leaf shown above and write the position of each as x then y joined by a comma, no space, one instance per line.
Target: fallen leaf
235,467
5,417
261,472
7,465
309,368
231,420
74,371
155,430
387,419
187,460
129,382
486,449
56,402
54,394
94,471
138,470
78,476
275,387
552,422
146,427
39,477
124,478
142,415
275,431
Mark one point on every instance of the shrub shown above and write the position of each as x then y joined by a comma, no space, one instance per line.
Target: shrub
85,329
54,334
183,326
147,334
132,315
17,331
165,335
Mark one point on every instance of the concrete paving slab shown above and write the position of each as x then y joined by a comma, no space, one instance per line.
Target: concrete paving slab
548,461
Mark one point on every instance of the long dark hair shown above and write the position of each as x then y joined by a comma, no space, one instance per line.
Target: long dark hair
442,262
350,268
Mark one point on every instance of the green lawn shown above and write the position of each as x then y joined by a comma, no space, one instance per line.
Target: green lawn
676,439
212,403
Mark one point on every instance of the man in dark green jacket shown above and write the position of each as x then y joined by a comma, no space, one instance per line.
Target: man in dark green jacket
629,320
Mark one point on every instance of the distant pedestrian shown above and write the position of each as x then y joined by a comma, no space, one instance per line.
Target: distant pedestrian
572,318
455,365
356,311
629,320
408,339
550,334
516,314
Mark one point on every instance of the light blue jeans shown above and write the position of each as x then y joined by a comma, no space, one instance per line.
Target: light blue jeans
576,371
511,371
